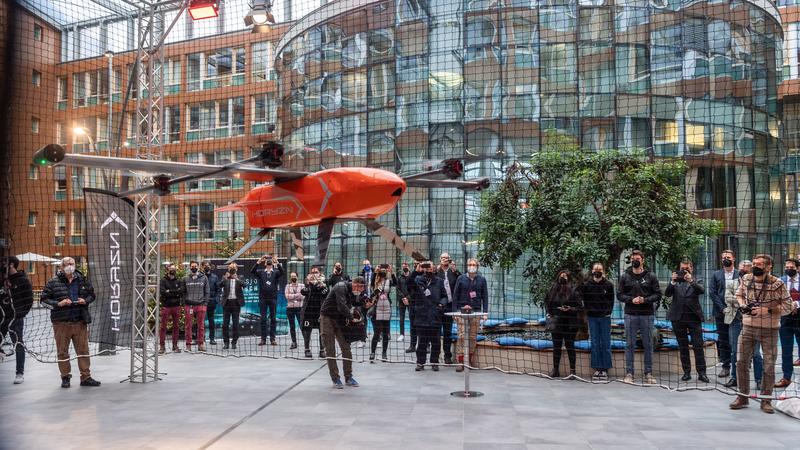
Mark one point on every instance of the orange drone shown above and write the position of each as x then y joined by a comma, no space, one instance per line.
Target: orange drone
291,199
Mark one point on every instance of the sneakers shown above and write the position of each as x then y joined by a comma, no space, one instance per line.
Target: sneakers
372,357
90,382
65,382
201,348
401,338
628,378
650,379
351,382
213,342
225,346
419,368
19,379
384,357
724,373
307,353
293,346
600,375
796,362
337,384
175,349
273,342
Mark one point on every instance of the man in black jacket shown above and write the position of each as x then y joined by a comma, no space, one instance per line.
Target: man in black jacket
232,302
70,294
716,290
215,290
429,296
338,275
686,315
334,316
449,274
172,290
16,299
639,290
269,276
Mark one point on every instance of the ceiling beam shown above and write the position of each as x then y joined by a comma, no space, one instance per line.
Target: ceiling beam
112,6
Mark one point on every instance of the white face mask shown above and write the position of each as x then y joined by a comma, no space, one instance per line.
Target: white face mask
69,270
472,269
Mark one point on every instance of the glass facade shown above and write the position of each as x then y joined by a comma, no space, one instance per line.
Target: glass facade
416,80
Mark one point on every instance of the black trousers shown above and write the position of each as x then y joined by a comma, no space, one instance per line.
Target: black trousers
428,336
723,342
230,314
447,332
401,311
306,332
413,330
14,329
211,314
682,331
381,328
268,305
293,314
564,336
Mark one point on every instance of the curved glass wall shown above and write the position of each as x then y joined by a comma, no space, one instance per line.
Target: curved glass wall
391,84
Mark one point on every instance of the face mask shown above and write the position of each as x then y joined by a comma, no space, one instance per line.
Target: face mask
428,274
194,269
294,279
207,270
727,262
597,274
562,281
269,266
636,263
367,268
69,270
758,271
791,272
472,269
405,269
337,269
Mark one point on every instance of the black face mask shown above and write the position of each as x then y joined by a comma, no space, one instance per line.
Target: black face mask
758,271
636,263
405,269
562,281
207,271
337,269
172,273
194,269
428,275
727,262
597,274
791,272
294,279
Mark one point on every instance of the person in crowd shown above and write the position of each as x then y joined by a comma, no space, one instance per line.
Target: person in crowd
765,299
215,290
429,297
70,293
563,302
369,276
232,303
315,292
790,324
733,317
172,292
447,271
686,315
402,299
471,293
335,314
597,294
269,277
639,290
716,288
406,304
382,315
294,304
337,275
197,297
16,300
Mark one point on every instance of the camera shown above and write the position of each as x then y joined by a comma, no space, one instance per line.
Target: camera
746,309
426,265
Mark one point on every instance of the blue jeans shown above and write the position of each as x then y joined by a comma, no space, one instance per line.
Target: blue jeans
734,330
600,335
789,334
643,325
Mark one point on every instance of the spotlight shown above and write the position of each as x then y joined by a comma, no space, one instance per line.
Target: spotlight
260,14
203,9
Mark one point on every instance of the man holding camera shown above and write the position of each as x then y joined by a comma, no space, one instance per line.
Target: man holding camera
70,293
269,276
337,275
449,274
335,314
764,299
429,297
687,317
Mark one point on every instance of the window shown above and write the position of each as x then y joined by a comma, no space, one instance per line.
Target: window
61,93
37,32
60,222
168,223
90,88
409,10
716,187
558,67
229,223
381,86
37,78
33,172
262,62
35,125
77,181
200,222
215,119
77,228
172,130
32,216
172,76
216,68
632,69
219,157
60,175
61,137
264,107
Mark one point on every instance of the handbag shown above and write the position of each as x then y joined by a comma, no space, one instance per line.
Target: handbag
550,324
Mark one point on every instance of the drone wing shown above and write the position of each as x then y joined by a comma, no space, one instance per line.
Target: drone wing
477,184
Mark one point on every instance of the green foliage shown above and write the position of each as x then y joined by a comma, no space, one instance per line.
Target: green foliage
569,208
228,247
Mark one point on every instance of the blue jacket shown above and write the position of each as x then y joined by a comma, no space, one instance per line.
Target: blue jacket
214,288
428,306
267,281
716,290
473,292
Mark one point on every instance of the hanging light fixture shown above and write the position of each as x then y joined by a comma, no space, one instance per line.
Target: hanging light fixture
203,9
259,16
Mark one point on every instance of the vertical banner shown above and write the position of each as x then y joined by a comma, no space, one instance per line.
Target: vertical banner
110,234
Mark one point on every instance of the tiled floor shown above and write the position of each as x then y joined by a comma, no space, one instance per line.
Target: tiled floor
239,403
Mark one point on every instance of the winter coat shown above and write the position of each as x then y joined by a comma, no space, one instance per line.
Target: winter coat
268,281
685,305
314,294
598,297
471,291
771,294
197,289
172,291
58,288
214,288
556,298
238,302
335,279
429,298
294,295
633,285
16,300
338,302
383,305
